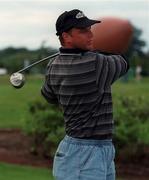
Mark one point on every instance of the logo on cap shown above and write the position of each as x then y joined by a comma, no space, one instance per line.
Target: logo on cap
80,15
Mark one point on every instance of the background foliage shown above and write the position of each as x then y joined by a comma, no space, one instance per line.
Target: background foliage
131,118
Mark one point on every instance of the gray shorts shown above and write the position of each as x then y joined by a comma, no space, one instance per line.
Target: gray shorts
81,159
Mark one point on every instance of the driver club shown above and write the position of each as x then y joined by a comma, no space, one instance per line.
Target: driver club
17,79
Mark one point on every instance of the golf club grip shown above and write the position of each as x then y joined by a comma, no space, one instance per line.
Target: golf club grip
41,60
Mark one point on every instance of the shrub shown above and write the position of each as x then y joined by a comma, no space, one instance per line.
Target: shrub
131,117
46,126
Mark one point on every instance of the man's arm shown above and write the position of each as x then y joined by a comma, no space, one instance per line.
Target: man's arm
46,89
118,66
110,68
48,94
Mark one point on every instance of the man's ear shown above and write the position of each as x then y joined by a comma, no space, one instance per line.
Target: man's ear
66,36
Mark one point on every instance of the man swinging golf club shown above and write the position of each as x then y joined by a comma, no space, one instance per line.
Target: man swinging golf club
79,80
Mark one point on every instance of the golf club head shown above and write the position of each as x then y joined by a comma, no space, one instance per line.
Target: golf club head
17,80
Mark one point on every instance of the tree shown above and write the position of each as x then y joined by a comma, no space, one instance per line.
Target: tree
136,54
13,58
137,44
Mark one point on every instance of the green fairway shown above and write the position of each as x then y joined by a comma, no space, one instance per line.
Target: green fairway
16,172
14,102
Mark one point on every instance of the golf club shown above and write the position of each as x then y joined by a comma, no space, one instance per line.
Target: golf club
17,79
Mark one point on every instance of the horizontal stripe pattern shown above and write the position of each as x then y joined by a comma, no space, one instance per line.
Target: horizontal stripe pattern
81,84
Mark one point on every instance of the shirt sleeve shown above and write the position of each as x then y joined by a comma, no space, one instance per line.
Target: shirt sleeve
118,67
47,91
110,68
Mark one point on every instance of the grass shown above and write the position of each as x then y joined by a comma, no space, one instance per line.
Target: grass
16,172
133,88
14,102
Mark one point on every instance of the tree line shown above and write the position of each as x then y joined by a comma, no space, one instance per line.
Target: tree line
14,59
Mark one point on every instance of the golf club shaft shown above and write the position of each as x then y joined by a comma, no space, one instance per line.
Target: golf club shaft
41,60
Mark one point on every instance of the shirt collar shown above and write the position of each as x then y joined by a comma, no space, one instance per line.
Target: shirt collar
71,50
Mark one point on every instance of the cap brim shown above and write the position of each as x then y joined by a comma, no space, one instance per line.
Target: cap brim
86,23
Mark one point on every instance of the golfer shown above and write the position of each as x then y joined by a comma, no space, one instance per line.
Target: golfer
79,81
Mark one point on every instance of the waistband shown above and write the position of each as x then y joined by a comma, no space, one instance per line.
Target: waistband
87,141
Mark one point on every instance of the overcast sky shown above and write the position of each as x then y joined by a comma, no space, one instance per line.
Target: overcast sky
27,23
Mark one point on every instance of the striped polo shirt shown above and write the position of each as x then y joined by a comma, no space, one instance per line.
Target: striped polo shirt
80,82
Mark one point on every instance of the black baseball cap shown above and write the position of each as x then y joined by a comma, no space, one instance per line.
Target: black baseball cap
73,19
